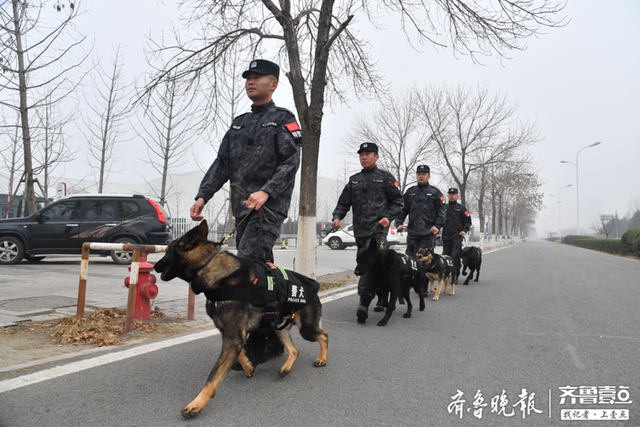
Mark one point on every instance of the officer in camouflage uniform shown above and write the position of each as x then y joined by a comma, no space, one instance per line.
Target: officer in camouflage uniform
376,201
456,225
423,203
261,154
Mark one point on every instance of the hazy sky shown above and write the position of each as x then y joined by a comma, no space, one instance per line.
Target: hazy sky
580,83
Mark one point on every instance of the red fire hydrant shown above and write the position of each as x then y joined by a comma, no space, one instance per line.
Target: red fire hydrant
147,290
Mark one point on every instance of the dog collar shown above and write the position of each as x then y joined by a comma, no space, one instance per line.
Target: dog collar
199,269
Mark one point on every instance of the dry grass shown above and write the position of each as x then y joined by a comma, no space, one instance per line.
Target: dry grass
106,327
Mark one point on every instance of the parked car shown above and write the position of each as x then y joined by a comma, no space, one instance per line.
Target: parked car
64,225
344,238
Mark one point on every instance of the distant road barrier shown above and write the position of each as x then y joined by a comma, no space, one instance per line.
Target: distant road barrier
139,251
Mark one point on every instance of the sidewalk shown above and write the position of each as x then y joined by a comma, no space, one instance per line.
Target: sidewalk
49,290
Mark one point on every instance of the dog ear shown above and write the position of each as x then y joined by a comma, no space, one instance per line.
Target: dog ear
372,243
204,230
411,248
193,235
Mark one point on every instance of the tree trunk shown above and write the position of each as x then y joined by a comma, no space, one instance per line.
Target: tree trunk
307,243
24,114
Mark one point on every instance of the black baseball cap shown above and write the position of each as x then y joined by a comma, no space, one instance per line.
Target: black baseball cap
453,191
423,168
368,146
264,67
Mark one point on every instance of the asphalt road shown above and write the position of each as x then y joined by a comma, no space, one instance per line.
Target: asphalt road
544,320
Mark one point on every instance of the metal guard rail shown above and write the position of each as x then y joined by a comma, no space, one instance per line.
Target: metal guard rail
139,251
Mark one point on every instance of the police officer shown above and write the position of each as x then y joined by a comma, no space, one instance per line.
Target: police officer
456,225
424,204
260,153
376,201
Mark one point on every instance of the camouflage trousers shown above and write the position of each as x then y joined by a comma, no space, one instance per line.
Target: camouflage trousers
253,243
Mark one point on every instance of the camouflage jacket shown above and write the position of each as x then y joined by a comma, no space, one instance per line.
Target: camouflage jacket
457,219
373,194
423,203
261,151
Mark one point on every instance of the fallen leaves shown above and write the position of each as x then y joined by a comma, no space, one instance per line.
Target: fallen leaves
104,327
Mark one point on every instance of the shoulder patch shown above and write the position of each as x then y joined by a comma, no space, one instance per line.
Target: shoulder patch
292,126
295,132
466,213
442,198
395,183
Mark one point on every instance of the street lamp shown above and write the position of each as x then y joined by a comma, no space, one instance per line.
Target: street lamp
559,226
578,184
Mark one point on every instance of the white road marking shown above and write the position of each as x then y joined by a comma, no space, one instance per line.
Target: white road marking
71,368
576,359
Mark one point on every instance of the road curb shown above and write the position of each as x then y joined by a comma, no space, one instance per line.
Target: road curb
328,295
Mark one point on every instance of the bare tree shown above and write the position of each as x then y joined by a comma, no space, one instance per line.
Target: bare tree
489,182
515,199
603,225
324,55
166,129
33,45
402,142
473,129
108,108
11,159
50,142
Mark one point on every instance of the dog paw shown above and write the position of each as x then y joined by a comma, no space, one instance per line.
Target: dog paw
382,323
189,412
435,298
284,372
407,315
319,363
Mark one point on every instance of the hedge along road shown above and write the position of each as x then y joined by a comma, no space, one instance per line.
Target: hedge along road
545,320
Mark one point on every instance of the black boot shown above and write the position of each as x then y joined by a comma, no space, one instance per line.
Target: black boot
363,309
274,346
379,306
256,353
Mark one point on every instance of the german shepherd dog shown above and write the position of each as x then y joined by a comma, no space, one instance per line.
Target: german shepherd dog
207,268
437,268
387,267
471,257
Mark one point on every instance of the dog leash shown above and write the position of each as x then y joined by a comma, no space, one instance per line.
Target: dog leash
416,233
261,212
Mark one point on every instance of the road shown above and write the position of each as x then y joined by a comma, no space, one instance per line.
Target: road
544,320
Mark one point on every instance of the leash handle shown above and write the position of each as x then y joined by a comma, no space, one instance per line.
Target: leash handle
384,237
325,233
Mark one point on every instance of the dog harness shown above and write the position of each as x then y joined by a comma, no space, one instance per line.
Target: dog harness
278,291
443,259
409,266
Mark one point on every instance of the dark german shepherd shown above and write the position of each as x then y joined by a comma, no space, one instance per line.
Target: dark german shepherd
471,257
207,268
437,268
387,267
